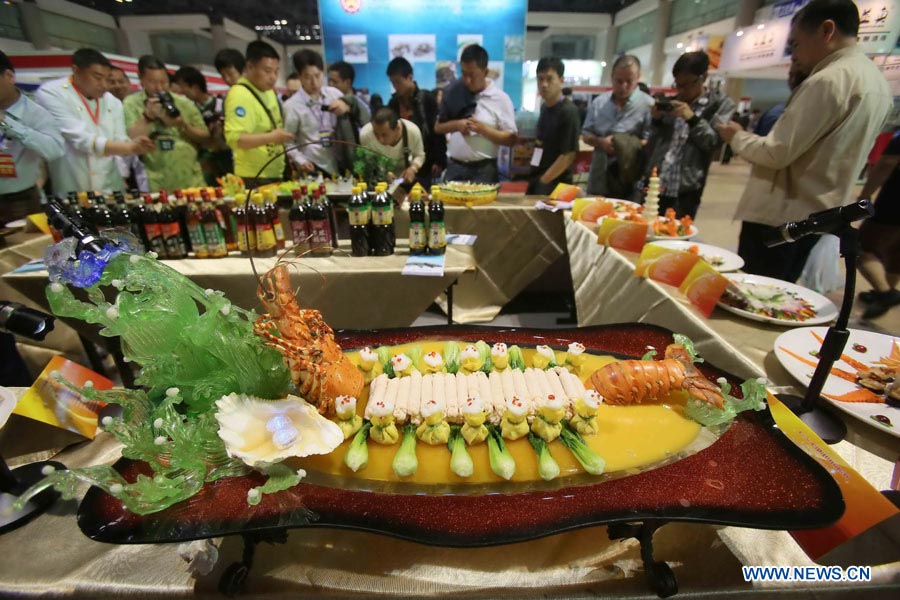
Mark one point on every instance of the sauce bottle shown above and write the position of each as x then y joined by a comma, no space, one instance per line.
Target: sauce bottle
195,228
213,230
298,220
358,211
171,231
418,235
265,233
246,226
319,228
152,228
437,233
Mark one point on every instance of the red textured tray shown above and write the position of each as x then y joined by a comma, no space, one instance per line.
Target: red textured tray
752,476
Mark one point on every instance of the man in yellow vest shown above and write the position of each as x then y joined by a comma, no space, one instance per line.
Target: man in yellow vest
254,124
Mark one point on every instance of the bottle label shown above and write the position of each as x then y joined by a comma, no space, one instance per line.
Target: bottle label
359,215
172,238
382,215
279,231
437,235
417,236
215,239
265,237
319,234
246,239
300,235
155,237
198,242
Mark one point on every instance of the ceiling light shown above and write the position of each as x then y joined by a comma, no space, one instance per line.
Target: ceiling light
740,33
284,21
761,26
679,45
602,63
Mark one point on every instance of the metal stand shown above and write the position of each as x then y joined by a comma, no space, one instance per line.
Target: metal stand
810,408
234,578
449,293
659,574
15,481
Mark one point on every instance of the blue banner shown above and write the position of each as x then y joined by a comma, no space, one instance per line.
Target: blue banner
430,34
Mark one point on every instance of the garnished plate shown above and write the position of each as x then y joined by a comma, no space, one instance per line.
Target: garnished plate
720,259
797,350
715,483
775,301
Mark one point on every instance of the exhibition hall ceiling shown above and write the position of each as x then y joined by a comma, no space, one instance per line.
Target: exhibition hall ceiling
296,21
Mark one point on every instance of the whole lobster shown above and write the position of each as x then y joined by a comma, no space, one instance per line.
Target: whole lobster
318,367
636,381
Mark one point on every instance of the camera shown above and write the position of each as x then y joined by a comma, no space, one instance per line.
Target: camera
664,103
168,104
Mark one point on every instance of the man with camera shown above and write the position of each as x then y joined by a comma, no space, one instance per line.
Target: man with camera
215,155
682,135
172,122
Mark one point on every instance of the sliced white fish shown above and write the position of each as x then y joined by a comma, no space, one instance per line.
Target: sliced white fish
414,402
402,404
376,393
497,401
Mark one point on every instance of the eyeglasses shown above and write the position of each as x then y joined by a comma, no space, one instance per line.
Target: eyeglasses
682,86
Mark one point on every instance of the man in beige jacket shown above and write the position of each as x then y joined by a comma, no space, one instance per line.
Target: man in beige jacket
810,159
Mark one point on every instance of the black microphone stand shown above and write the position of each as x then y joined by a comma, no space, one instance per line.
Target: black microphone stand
810,408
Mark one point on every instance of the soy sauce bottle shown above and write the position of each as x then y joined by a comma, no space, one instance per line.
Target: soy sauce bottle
179,208
418,235
103,218
382,231
195,228
266,244
358,212
329,210
246,226
152,228
213,227
437,232
319,228
298,221
272,214
171,231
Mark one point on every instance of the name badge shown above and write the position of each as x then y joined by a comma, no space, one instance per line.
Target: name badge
7,166
325,138
165,144
536,157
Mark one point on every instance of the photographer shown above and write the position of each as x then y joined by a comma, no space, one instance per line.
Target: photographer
173,122
682,137
215,155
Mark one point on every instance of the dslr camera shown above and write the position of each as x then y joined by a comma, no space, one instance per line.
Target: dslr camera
168,104
664,103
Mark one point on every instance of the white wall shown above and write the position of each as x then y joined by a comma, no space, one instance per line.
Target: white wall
76,11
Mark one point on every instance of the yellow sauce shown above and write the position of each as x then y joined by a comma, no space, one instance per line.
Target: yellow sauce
630,437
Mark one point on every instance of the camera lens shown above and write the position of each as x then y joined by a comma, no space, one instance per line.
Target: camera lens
168,104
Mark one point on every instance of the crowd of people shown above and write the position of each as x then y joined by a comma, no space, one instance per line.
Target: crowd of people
94,133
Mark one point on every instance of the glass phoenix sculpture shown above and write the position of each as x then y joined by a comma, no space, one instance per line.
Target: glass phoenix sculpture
203,369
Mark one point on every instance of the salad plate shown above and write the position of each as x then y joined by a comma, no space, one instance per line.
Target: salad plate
720,259
775,301
850,387
746,473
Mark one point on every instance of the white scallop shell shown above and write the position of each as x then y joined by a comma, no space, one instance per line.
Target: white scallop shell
261,432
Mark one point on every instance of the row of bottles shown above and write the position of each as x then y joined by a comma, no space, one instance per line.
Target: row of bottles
372,230
313,224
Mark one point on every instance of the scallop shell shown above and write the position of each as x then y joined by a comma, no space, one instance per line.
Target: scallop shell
261,432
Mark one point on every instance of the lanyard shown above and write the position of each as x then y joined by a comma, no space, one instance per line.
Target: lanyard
95,116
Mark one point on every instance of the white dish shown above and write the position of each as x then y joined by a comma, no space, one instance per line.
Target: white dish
825,309
801,341
16,224
7,404
730,260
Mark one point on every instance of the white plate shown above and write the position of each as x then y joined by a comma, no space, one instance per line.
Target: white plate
17,223
801,342
618,204
730,260
693,231
825,309
7,404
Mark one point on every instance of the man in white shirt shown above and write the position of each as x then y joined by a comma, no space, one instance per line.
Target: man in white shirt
27,137
810,159
311,115
396,138
92,124
478,118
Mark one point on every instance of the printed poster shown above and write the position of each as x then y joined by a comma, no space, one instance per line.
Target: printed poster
356,49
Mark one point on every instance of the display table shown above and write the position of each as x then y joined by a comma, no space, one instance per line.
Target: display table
607,291
352,293
51,556
516,244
